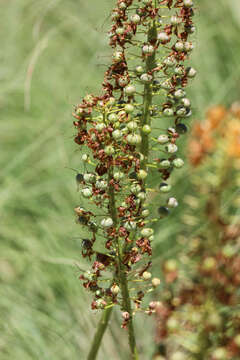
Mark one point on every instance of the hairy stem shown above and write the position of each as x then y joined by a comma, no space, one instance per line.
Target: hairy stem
126,305
102,326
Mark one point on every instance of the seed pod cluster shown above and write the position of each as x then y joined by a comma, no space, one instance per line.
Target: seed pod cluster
143,90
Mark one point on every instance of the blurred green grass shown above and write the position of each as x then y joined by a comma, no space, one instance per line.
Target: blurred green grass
52,53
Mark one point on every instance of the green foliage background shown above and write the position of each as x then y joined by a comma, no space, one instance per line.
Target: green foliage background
52,53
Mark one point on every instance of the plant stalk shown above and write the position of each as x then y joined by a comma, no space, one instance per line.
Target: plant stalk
102,326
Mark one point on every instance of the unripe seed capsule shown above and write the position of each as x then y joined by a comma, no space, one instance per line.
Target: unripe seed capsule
181,111
107,222
191,72
170,61
129,108
135,188
188,46
179,46
146,129
168,112
179,70
115,289
178,163
123,81
119,31
89,178
145,213
113,117
175,20
109,150
86,192
134,139
132,125
146,78
180,93
164,187
118,175
142,174
139,70
188,3
163,37
166,85
156,282
135,19
102,185
163,139
172,202
122,5
85,157
147,232
111,101
117,134
148,49
117,56
146,275
165,164
172,148
141,196
130,90
186,102
100,127
130,225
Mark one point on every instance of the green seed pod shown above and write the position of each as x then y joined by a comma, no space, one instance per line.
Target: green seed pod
148,49
135,18
146,78
163,139
132,125
135,188
164,187
86,192
117,134
129,108
118,175
113,117
172,202
142,174
146,275
163,37
100,127
178,163
145,213
179,46
191,72
109,150
107,222
139,70
168,112
134,139
172,148
146,232
146,129
165,164
188,3
130,90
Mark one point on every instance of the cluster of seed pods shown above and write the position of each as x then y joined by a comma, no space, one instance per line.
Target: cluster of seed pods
199,311
134,125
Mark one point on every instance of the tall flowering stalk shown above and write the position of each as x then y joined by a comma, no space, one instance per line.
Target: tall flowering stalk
199,313
143,92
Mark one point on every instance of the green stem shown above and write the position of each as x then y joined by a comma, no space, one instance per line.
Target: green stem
147,97
126,303
102,326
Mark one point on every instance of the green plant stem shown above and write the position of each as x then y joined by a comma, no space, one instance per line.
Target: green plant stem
126,303
102,326
147,97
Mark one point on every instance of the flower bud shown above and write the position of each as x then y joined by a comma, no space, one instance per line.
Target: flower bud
118,175
89,178
135,18
139,70
117,134
164,187
180,93
179,46
113,117
130,225
188,3
191,72
163,37
135,188
165,164
85,157
117,56
220,354
170,61
142,174
100,126
109,150
115,289
129,108
168,112
132,125
146,78
145,213
148,49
